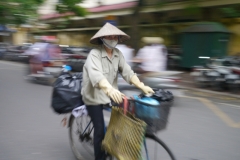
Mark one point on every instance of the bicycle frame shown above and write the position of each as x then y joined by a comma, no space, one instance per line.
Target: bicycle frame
105,129
86,132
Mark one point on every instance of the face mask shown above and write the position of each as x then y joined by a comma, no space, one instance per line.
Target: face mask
109,43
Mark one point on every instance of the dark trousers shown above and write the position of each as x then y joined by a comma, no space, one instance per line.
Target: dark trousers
96,114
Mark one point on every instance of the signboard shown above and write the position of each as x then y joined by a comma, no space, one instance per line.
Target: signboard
111,19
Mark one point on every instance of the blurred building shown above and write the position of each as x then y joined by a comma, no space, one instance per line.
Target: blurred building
165,18
6,34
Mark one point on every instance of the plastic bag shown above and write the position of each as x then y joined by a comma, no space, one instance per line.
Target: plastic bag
66,93
162,95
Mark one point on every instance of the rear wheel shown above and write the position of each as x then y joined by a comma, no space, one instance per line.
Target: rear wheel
81,137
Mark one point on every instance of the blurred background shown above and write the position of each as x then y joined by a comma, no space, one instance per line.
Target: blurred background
74,22
195,33
191,47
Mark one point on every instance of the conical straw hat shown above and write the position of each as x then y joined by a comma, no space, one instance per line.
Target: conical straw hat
108,30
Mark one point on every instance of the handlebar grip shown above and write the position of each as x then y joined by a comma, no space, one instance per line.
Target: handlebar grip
125,105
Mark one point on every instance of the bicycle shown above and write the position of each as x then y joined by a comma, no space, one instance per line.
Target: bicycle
84,140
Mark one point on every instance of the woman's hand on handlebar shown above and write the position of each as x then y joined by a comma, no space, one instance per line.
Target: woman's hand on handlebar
147,90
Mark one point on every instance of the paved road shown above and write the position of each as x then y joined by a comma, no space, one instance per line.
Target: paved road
201,127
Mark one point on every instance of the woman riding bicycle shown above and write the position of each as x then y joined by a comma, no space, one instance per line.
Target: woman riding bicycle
100,74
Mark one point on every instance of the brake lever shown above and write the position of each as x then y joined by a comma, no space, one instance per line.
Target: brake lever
112,103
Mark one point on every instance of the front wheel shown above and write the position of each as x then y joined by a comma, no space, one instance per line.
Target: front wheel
155,149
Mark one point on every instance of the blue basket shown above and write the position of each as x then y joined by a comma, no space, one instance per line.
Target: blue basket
155,114
145,111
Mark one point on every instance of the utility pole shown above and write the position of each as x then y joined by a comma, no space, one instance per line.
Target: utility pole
135,36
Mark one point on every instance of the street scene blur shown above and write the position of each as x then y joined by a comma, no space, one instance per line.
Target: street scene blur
187,51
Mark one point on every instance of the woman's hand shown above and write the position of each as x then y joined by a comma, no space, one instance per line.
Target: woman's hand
147,90
113,93
116,95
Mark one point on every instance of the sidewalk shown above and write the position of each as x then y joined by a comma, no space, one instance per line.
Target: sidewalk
187,83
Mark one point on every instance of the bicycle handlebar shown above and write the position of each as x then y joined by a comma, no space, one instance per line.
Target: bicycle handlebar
144,103
129,99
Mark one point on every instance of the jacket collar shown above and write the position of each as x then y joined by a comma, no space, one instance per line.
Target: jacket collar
104,53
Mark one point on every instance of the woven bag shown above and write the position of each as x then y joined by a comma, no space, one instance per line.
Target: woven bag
125,135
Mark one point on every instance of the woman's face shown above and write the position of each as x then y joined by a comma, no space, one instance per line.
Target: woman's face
111,37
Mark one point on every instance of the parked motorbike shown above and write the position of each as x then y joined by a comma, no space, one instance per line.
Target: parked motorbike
225,79
203,76
217,75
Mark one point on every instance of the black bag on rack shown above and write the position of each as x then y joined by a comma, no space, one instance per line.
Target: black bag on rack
66,93
163,96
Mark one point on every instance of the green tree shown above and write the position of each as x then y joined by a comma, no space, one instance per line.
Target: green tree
231,12
71,6
18,11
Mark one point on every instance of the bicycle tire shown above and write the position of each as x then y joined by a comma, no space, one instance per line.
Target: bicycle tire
80,145
163,151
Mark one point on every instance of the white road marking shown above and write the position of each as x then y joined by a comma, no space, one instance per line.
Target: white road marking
231,105
216,110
